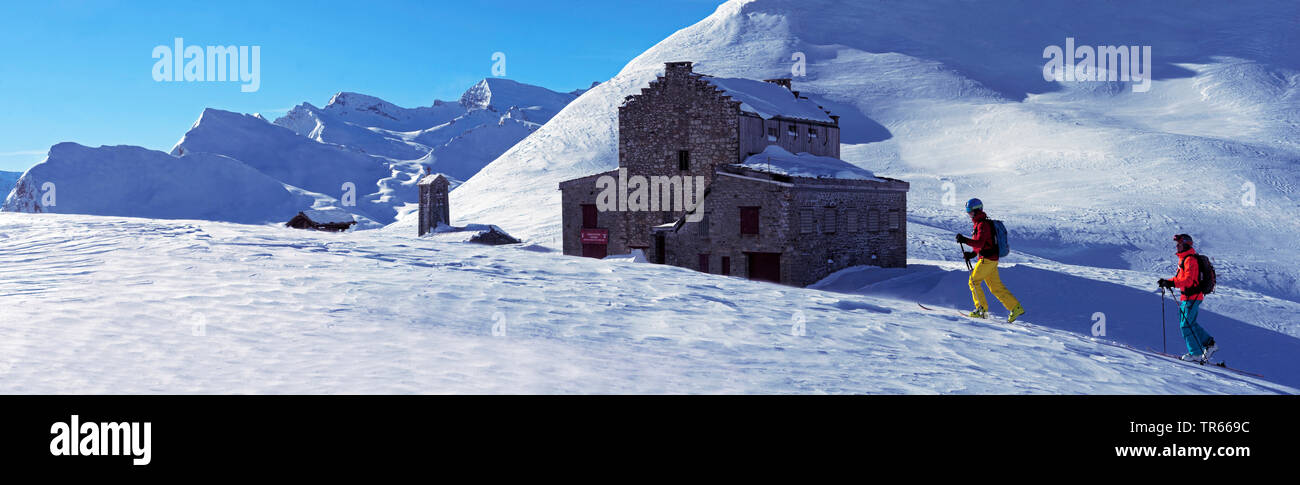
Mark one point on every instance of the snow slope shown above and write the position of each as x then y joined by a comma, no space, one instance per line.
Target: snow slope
951,92
133,181
118,305
1255,331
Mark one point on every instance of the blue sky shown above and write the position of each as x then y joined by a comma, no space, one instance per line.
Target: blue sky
81,71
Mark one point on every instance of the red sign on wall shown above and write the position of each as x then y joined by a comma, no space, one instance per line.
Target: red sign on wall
595,236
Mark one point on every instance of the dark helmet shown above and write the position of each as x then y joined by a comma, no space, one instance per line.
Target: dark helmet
974,205
1184,242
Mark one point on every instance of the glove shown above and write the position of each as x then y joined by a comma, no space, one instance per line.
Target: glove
969,255
963,239
1164,283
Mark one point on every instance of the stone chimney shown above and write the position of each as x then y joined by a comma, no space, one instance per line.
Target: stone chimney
677,69
783,82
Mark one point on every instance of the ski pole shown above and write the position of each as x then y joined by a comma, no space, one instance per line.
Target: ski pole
1164,334
963,256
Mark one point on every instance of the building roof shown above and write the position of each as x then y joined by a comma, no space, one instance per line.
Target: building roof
329,216
777,160
429,179
769,100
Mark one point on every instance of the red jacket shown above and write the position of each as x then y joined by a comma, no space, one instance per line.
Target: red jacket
1189,272
982,237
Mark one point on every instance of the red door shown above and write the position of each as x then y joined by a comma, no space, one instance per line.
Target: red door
764,266
595,242
594,250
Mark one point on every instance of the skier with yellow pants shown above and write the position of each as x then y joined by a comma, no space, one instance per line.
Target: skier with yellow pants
985,247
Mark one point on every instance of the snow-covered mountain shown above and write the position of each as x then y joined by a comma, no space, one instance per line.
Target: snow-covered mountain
133,181
456,139
299,161
952,92
357,148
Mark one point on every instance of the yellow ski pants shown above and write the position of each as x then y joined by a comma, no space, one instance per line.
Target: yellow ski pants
987,272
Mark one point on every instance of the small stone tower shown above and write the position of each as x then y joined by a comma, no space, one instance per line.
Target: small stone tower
434,207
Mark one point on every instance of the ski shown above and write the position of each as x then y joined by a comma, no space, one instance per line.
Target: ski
1220,364
981,320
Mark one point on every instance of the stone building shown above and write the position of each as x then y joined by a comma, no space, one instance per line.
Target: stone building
434,207
777,203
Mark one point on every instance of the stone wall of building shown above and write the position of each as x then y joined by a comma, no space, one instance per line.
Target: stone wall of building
434,205
819,226
838,226
719,235
816,226
677,112
573,195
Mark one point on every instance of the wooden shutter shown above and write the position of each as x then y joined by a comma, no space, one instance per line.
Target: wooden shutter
749,220
589,215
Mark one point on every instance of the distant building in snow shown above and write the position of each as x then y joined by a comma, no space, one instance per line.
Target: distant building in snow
434,206
322,220
779,205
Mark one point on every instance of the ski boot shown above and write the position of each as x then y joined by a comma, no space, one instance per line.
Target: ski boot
1190,357
1210,348
1015,313
979,313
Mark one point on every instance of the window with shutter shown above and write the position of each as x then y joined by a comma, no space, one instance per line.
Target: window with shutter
749,220
589,215
806,223
829,220
873,221
850,220
894,220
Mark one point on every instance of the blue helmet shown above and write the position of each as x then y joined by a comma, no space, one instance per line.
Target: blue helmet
974,205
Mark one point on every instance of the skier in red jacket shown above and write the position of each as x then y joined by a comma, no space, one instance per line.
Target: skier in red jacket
1200,345
986,269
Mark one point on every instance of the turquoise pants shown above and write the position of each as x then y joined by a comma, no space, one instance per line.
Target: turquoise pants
1193,334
